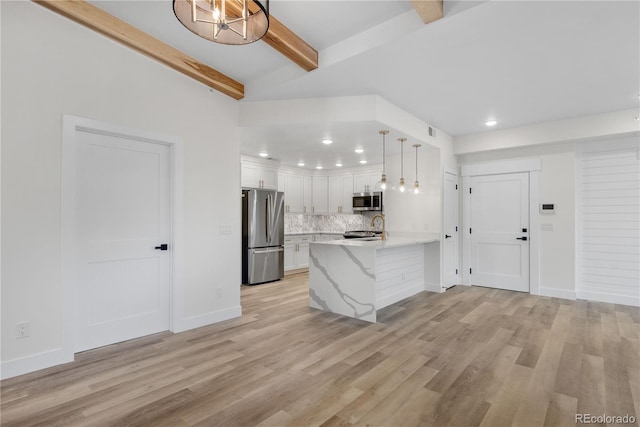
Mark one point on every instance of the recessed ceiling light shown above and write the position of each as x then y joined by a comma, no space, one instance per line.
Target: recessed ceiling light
263,154
359,150
301,164
636,119
318,167
491,123
327,141
362,162
339,164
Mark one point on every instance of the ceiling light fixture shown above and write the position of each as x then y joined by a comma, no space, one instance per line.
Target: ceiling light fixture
327,141
491,123
300,164
318,167
416,186
383,180
339,165
363,162
263,154
402,140
359,150
231,22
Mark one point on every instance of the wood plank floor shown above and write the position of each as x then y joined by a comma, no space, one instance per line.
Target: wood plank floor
468,357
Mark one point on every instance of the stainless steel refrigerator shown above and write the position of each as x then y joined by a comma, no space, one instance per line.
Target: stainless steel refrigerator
262,236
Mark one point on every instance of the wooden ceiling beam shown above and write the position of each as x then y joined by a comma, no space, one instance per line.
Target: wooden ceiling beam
283,39
98,20
429,10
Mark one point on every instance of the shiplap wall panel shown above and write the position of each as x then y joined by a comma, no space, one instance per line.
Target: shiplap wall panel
609,193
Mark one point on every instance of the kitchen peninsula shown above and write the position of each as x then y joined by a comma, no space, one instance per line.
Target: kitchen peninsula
358,277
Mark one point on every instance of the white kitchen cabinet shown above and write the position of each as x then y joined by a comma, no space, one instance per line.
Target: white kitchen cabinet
307,194
365,182
258,174
340,193
293,188
296,251
320,194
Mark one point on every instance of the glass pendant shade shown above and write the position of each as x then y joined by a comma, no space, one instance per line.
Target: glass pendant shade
416,185
232,22
383,179
401,140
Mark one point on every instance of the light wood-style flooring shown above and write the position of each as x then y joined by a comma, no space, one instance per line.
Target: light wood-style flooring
471,356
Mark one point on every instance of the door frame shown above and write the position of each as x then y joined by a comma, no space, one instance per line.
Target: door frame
71,126
457,257
531,166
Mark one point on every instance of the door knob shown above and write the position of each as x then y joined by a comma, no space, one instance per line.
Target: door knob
446,236
524,238
162,247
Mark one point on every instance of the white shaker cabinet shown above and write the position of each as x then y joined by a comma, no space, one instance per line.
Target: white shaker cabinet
340,193
320,194
296,251
365,182
258,173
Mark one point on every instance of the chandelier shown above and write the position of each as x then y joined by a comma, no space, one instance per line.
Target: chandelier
228,22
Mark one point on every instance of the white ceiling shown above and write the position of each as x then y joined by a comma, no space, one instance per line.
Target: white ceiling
520,62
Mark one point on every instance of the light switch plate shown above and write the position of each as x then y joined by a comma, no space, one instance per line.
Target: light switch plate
225,230
546,227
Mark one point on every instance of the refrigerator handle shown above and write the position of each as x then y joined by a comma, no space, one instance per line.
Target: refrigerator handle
266,221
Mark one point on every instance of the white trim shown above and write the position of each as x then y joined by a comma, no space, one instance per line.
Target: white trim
533,167
506,166
187,323
71,125
557,293
35,362
608,297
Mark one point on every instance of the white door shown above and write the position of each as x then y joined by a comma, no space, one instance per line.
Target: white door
450,228
122,199
499,231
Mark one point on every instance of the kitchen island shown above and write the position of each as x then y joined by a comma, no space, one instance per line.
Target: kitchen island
358,277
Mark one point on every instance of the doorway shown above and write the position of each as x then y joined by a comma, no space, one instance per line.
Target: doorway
450,227
501,225
117,222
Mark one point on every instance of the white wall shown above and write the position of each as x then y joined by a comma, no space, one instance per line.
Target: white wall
408,212
52,67
557,185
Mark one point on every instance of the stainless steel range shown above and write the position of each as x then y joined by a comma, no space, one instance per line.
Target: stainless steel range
360,234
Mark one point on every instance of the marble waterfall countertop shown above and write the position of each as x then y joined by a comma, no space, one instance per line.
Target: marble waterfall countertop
358,277
378,243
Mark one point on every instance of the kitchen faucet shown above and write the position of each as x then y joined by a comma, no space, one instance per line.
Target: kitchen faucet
373,219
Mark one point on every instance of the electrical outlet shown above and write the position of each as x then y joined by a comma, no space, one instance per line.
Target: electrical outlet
219,292
426,227
22,330
225,230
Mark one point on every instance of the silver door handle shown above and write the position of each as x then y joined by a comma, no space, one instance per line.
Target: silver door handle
267,251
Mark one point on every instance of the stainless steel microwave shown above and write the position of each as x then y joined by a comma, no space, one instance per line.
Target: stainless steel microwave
367,201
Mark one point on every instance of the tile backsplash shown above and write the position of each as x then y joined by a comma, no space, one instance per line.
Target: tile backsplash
300,223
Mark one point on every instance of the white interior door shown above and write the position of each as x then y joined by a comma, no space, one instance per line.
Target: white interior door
122,199
450,228
499,208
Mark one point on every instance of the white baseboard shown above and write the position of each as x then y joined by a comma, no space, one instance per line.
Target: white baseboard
611,298
34,362
205,319
434,287
557,293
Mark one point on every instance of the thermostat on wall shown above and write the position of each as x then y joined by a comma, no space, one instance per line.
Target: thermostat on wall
547,208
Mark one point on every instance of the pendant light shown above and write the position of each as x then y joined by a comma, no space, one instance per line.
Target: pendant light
232,22
416,186
383,180
401,140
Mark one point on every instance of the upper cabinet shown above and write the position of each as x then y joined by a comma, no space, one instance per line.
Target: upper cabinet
340,193
293,186
364,182
320,194
258,173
